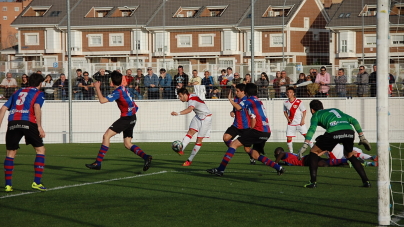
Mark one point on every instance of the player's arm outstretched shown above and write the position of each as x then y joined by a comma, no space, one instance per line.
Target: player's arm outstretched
363,141
101,98
183,112
38,117
233,103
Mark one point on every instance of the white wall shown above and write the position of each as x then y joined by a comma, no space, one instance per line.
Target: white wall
155,124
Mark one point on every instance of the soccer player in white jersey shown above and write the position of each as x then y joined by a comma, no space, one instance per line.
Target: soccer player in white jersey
295,113
338,153
201,123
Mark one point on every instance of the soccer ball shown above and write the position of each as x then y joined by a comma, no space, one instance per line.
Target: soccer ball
176,146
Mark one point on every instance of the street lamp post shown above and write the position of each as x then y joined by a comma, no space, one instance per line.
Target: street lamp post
136,40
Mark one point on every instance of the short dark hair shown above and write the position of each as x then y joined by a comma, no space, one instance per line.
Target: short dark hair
162,70
229,68
291,89
85,72
79,70
116,78
278,151
316,105
322,67
251,89
35,79
180,67
341,69
223,71
241,87
182,91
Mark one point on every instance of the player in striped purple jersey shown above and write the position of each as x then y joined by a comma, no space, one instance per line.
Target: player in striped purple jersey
25,120
124,124
259,133
292,159
241,121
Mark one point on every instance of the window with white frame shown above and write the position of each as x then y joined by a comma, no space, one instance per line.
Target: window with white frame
4,8
206,40
4,17
397,40
275,40
16,9
224,63
306,22
31,39
344,46
116,39
95,40
50,60
370,40
347,42
184,40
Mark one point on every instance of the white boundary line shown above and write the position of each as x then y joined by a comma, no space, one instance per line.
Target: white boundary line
83,184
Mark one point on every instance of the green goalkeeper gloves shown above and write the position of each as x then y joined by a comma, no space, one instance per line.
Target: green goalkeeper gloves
363,141
302,150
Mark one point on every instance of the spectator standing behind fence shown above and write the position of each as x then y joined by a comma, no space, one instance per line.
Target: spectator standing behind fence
24,80
9,84
222,76
138,85
236,80
87,84
323,79
301,91
62,87
305,86
283,83
195,80
313,74
247,79
151,82
275,83
181,79
262,84
77,90
104,79
340,83
165,84
208,82
47,86
362,80
373,82
129,79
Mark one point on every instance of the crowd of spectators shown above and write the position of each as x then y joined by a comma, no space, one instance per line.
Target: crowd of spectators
164,85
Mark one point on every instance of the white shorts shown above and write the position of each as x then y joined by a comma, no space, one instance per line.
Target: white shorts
203,127
292,129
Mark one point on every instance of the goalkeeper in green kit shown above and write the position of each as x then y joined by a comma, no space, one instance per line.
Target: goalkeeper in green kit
338,126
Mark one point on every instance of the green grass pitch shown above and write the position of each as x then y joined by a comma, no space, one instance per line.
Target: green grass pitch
169,194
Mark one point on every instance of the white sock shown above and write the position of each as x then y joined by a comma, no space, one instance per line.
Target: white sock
290,146
194,151
311,144
186,141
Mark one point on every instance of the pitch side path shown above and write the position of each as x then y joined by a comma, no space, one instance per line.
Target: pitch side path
168,194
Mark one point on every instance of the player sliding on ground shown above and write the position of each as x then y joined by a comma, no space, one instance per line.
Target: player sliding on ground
201,123
259,133
295,113
291,159
25,120
124,124
338,153
338,130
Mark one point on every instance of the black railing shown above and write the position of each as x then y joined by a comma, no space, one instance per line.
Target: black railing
215,92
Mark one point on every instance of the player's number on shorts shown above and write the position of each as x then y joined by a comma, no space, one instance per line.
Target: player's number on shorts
336,113
21,98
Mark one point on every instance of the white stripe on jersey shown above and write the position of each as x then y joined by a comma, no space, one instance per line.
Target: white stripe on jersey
295,110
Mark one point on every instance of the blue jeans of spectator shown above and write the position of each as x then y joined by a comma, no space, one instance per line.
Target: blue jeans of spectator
341,94
78,96
135,94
